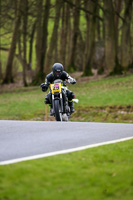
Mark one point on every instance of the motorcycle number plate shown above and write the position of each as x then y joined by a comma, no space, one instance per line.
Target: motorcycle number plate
56,87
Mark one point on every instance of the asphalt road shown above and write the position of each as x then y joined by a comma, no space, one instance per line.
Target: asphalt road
27,138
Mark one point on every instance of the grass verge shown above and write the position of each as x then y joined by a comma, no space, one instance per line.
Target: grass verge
105,100
104,172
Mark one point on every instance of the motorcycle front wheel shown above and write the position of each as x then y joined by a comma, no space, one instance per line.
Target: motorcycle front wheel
57,107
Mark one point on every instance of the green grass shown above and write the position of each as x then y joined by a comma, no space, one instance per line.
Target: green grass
105,100
22,104
105,92
99,173
104,172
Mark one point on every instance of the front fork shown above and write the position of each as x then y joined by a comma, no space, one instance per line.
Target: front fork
60,100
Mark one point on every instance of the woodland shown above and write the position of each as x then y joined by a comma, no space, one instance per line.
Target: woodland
81,34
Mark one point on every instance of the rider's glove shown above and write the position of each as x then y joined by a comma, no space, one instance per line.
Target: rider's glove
73,81
44,87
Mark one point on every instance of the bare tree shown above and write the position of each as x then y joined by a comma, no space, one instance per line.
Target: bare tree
68,39
118,8
8,76
39,35
1,76
41,39
64,33
126,36
25,23
110,37
54,36
90,38
76,21
69,36
31,45
45,34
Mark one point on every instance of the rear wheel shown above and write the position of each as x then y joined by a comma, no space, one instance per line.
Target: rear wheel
57,107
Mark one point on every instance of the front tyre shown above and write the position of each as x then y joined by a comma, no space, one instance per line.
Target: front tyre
58,114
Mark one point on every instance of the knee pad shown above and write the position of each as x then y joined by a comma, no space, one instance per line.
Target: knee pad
46,101
72,95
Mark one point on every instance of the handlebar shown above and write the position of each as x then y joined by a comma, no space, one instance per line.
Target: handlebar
58,81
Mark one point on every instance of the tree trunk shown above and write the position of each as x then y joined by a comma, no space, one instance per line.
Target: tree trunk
86,54
25,21
118,10
1,76
63,38
41,41
98,26
126,36
69,36
53,37
90,39
110,37
76,21
39,34
118,7
44,35
8,76
31,46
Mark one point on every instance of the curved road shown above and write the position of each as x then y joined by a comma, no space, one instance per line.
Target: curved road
19,139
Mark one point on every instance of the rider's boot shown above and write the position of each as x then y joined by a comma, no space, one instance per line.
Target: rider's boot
46,101
71,107
51,110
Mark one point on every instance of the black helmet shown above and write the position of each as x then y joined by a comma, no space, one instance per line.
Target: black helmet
57,70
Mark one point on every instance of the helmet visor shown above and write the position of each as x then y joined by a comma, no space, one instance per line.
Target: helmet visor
58,73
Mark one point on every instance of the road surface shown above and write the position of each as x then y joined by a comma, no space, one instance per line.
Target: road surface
20,139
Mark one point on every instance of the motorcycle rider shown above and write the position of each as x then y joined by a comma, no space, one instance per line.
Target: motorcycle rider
58,73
